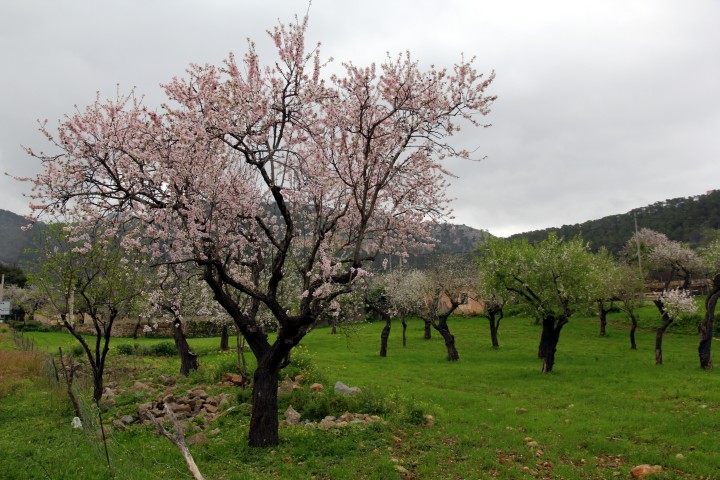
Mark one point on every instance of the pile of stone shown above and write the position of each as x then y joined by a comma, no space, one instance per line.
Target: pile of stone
292,417
234,380
197,404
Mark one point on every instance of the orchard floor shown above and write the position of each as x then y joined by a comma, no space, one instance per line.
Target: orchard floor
603,410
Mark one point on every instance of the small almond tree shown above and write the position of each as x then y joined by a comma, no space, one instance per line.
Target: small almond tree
674,303
84,269
671,261
630,292
555,278
180,292
404,287
395,294
447,286
608,279
493,298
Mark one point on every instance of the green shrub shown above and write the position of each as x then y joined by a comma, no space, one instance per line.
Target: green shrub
225,365
687,323
206,328
78,351
163,349
244,395
318,405
415,415
28,326
127,349
302,363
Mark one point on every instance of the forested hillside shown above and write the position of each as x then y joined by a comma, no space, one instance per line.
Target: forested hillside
13,239
686,219
450,238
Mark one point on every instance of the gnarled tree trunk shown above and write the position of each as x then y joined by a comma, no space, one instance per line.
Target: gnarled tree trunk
494,314
452,353
706,327
549,338
404,331
264,422
384,335
442,327
603,317
660,332
427,333
137,328
224,339
493,333
633,318
264,417
188,359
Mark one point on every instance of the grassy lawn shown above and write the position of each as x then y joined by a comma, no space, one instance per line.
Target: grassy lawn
603,410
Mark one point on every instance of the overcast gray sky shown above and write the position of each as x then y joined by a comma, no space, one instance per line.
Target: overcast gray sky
603,106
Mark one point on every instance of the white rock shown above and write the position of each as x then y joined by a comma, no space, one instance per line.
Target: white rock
76,422
340,387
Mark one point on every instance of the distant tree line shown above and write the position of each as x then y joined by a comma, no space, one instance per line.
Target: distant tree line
690,220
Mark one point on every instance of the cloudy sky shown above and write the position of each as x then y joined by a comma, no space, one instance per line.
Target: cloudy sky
603,106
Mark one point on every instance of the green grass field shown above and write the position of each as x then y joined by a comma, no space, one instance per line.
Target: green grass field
603,410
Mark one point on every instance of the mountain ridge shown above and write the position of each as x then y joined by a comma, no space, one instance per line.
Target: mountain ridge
686,219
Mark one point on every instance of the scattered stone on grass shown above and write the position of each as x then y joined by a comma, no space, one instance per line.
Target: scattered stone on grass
196,439
234,380
340,387
292,416
402,470
168,380
645,470
316,387
286,386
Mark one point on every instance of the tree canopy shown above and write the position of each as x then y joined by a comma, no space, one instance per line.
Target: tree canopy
554,278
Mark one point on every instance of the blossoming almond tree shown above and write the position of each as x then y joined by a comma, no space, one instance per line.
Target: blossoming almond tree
397,293
256,174
180,292
404,287
670,260
630,292
674,303
446,287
